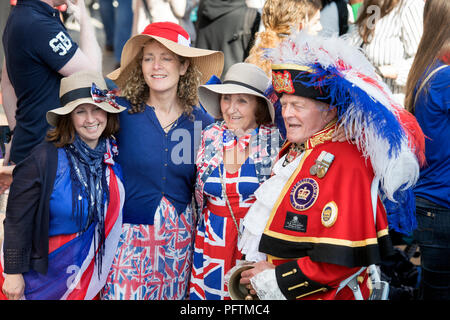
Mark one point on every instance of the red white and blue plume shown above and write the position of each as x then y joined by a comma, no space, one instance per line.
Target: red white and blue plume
332,70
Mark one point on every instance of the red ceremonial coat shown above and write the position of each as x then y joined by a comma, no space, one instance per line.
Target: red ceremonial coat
322,229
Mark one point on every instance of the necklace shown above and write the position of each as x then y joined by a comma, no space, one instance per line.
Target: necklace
170,124
224,194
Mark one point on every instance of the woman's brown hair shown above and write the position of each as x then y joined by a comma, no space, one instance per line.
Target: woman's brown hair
367,19
435,42
64,132
137,91
262,113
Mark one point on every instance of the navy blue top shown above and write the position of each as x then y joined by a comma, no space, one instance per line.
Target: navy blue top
37,46
432,111
155,163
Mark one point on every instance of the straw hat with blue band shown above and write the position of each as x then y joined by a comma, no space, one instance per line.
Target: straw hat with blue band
83,87
177,40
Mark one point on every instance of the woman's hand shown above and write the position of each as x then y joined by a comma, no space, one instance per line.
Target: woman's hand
339,135
14,286
5,177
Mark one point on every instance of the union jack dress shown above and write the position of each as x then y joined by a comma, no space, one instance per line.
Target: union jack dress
152,262
215,249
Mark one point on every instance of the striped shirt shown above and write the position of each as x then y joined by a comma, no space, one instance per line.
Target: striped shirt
394,41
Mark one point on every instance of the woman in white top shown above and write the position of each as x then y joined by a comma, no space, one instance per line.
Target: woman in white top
389,31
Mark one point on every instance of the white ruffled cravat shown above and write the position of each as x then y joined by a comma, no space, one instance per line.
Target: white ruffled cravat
256,218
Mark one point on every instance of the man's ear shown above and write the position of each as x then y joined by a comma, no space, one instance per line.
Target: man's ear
329,114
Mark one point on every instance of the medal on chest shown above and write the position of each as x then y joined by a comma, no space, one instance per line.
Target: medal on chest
323,163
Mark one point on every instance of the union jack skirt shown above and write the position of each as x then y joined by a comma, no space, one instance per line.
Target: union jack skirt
153,261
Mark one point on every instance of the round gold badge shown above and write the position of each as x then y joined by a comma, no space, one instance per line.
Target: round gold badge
329,214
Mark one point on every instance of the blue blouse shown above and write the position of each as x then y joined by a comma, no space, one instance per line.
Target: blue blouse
157,164
433,114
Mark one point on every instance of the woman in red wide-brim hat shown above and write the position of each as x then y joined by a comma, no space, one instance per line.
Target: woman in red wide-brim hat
158,77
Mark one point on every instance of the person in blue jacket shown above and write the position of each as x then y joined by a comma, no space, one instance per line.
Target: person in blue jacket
64,212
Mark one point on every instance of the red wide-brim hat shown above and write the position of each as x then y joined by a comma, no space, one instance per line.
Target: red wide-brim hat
176,39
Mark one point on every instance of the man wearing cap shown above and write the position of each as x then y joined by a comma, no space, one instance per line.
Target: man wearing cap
319,218
38,53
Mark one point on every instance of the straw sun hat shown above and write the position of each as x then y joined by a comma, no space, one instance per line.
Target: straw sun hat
240,78
83,87
177,40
